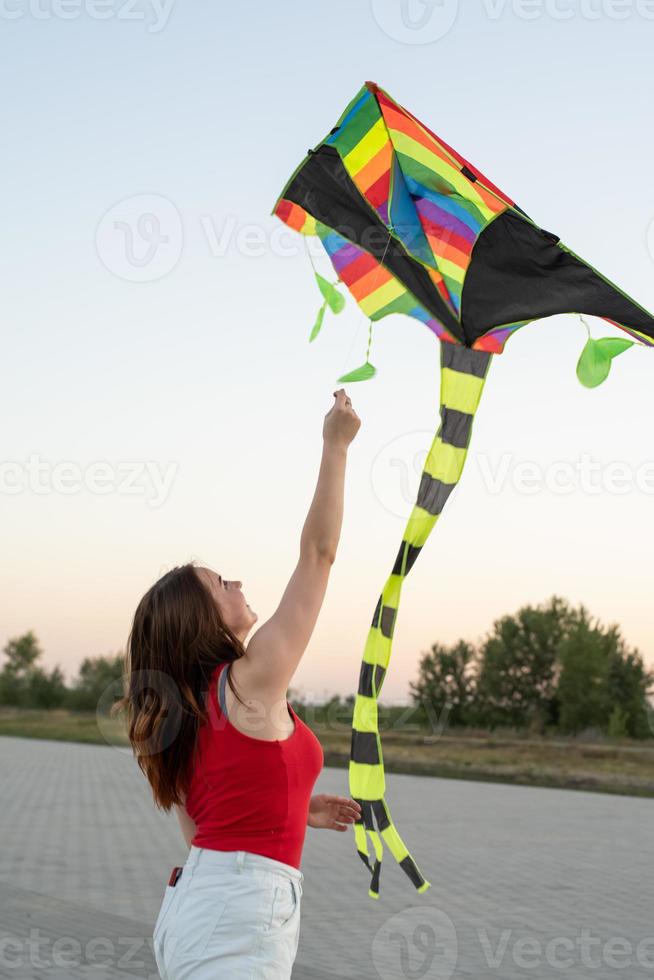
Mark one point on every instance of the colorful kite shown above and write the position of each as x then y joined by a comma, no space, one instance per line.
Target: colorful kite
411,227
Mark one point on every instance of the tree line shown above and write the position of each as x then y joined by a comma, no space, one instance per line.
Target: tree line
24,683
546,668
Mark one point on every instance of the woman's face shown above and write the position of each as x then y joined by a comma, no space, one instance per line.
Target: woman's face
230,600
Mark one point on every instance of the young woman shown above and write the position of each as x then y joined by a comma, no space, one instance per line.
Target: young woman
214,734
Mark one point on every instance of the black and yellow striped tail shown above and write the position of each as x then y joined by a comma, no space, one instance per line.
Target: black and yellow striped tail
463,373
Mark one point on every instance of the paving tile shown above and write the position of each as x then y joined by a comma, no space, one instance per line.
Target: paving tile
526,882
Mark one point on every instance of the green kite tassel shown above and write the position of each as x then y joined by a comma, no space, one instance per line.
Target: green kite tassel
332,299
363,373
366,371
318,324
594,364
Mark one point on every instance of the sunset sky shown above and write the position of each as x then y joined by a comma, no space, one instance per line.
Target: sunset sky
160,398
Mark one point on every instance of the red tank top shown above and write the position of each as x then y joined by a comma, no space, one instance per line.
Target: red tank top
248,793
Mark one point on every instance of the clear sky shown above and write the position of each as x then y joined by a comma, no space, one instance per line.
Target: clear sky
181,342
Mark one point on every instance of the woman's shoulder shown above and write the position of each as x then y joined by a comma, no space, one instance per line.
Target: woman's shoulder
245,678
252,683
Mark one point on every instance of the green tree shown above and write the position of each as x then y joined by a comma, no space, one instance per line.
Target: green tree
95,676
519,665
21,652
447,681
602,683
547,665
582,692
629,685
23,682
617,727
46,690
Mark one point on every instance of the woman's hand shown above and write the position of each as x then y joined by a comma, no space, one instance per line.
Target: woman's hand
332,812
341,422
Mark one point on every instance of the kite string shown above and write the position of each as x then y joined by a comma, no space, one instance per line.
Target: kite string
369,341
585,323
306,245
372,289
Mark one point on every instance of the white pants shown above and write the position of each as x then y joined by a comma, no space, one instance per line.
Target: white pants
232,915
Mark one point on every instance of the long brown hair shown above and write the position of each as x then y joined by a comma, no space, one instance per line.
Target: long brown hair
177,639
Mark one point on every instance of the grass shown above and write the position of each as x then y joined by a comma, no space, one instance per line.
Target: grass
622,767
609,765
62,726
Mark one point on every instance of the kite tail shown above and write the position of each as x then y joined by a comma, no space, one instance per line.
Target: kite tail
463,373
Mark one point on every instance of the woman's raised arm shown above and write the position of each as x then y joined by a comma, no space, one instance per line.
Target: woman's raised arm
275,650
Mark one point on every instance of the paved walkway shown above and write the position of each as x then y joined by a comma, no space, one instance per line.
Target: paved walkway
525,882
